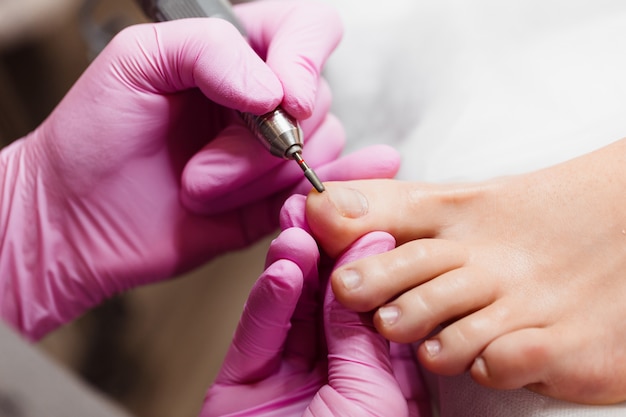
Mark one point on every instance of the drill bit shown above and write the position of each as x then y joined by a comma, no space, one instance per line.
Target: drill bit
278,131
309,173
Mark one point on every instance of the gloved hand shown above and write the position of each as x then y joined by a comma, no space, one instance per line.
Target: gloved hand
297,351
114,189
410,380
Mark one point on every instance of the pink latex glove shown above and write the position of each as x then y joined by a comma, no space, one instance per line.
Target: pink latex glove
297,351
409,377
113,190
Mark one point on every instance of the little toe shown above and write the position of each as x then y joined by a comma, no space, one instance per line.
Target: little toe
554,361
515,360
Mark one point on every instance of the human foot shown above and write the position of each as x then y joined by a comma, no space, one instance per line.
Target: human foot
520,279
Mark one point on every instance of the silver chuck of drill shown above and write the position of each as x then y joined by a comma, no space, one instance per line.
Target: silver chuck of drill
282,136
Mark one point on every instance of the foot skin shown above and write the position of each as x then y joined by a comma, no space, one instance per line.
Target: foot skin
520,280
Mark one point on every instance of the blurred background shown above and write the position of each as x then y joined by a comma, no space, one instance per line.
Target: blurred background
154,350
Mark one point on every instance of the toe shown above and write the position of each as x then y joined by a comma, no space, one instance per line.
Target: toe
514,360
348,210
556,361
416,313
463,340
373,281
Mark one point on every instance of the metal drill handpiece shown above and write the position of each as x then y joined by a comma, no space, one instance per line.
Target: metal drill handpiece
165,10
280,133
277,131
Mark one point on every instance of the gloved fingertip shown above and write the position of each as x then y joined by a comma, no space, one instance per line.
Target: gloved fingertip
197,189
292,214
300,102
296,245
385,160
283,280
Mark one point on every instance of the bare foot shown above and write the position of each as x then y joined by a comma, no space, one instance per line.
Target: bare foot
521,280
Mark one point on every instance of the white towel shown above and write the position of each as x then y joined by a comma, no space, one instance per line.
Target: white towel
472,89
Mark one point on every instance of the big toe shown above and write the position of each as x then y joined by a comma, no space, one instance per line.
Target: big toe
348,210
334,215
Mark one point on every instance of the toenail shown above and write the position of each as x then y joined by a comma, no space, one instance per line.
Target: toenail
433,347
480,366
350,279
348,202
389,315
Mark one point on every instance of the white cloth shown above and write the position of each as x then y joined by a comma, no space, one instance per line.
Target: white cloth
469,90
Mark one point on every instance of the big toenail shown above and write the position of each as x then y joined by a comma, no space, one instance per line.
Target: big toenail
348,202
433,347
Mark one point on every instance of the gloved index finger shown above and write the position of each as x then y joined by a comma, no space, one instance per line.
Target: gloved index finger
257,347
295,39
292,214
259,342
